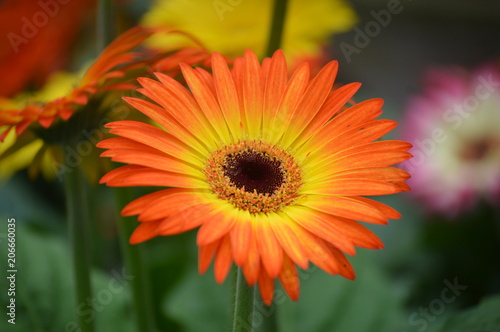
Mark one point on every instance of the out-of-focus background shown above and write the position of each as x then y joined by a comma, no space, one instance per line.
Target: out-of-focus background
440,268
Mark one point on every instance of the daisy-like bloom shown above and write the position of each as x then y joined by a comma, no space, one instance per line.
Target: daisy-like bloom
34,125
19,152
231,27
100,77
256,159
453,126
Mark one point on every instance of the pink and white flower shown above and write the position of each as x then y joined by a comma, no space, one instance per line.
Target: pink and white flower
454,126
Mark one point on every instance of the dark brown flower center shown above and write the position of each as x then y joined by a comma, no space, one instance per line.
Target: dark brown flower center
254,176
252,170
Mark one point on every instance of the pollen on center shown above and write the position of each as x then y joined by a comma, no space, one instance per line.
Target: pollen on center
254,176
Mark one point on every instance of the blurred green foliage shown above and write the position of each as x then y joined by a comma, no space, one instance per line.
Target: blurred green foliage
397,289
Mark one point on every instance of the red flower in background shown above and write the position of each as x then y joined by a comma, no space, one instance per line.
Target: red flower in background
36,39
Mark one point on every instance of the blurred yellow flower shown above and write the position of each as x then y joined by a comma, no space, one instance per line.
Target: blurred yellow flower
231,26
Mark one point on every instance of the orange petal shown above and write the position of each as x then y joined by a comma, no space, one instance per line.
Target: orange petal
206,78
251,268
363,159
171,204
142,155
362,134
311,101
270,250
110,57
316,223
353,117
351,187
275,84
359,234
209,106
386,174
176,103
293,92
156,138
372,159
290,279
266,288
226,92
354,136
159,115
345,207
140,204
223,260
332,105
378,147
217,225
345,267
320,254
241,238
144,176
185,219
251,86
237,73
388,211
205,256
289,240
144,232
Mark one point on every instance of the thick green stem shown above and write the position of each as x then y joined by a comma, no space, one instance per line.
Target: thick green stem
106,27
132,255
277,26
78,233
244,298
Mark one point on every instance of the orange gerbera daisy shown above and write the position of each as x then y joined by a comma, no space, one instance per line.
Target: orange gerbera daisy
272,168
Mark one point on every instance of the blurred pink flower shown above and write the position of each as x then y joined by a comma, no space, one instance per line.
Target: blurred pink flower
454,126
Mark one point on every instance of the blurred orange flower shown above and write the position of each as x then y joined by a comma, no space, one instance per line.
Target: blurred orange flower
100,77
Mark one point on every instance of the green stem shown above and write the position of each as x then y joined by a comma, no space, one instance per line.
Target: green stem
105,24
277,26
244,298
133,254
78,233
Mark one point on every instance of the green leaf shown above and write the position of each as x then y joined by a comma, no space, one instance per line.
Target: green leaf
199,303
332,303
45,299
483,318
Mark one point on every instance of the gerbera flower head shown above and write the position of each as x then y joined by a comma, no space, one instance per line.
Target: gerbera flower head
453,125
19,152
100,77
271,168
231,27
47,112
